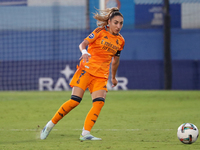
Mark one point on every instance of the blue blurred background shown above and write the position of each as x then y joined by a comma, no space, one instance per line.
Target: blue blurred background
38,39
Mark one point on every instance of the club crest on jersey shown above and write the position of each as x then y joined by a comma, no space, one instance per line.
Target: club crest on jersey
117,41
91,36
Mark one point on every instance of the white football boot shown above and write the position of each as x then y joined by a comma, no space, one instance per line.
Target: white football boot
89,137
46,130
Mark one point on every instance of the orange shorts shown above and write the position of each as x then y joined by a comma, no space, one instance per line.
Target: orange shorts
85,80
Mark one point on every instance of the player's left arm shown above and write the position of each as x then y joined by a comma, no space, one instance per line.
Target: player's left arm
115,64
114,67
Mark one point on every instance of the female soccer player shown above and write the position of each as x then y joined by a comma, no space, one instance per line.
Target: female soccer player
104,46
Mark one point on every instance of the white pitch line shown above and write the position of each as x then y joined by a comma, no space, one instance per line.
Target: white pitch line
38,129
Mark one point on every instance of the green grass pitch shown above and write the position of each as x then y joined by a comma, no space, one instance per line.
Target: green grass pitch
129,120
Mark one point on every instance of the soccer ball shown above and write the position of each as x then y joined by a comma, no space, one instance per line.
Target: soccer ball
187,133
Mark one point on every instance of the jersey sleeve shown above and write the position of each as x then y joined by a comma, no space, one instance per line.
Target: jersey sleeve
94,35
118,53
121,48
122,45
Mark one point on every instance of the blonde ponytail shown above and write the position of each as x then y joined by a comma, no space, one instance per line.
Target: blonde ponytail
104,15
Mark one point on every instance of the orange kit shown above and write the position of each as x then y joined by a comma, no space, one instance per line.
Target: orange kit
102,47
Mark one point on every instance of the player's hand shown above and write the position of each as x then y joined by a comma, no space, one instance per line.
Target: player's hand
85,56
114,82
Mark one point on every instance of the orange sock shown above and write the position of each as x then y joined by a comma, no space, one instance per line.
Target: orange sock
64,109
93,114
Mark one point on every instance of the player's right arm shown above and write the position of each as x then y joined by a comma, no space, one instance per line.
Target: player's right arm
85,55
89,39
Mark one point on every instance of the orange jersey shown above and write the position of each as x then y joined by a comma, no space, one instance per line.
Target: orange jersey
102,47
